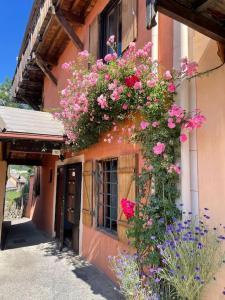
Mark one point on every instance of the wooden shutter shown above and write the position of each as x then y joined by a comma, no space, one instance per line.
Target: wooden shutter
129,22
127,169
94,38
87,212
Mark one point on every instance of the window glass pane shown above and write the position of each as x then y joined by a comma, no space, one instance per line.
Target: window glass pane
108,195
112,25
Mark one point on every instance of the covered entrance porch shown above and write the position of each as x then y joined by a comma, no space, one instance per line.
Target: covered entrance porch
32,138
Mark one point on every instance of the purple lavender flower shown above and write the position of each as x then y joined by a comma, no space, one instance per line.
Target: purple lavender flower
207,217
197,277
200,246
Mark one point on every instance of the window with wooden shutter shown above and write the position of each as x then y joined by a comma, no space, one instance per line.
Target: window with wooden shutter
127,169
107,194
94,38
129,22
87,212
111,24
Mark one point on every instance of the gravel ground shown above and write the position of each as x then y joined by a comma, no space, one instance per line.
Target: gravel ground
32,268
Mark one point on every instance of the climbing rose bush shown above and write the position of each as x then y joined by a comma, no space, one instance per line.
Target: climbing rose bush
132,99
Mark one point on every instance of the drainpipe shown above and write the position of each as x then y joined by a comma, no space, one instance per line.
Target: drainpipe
155,40
181,50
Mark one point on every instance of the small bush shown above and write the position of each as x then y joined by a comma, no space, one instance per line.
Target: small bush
191,255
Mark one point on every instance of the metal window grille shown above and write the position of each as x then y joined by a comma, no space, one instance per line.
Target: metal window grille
107,194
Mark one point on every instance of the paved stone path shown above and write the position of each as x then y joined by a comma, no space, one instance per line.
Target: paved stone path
31,268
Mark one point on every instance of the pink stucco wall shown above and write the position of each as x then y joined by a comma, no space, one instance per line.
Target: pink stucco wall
210,93
97,245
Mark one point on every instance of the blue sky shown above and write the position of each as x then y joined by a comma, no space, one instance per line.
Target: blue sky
13,20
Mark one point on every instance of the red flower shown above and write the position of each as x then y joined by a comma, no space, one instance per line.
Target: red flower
131,80
128,208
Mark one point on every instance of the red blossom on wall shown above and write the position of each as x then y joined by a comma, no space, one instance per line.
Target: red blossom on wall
131,80
128,208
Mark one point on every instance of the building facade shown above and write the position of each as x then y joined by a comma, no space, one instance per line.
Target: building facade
79,193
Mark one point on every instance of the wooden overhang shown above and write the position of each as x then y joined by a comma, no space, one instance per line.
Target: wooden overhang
27,136
52,24
205,16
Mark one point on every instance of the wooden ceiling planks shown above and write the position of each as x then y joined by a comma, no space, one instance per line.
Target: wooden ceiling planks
205,16
49,43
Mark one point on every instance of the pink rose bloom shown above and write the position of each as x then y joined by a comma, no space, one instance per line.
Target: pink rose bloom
107,77
125,106
171,87
84,54
151,83
167,75
105,117
111,40
159,148
176,111
174,168
183,138
155,124
99,64
102,102
144,125
110,57
138,85
189,68
66,66
171,124
132,45
149,222
195,122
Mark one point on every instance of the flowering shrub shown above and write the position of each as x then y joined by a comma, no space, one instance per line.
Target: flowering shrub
135,287
192,253
133,87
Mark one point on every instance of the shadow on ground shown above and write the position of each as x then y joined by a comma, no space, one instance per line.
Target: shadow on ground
22,233
99,283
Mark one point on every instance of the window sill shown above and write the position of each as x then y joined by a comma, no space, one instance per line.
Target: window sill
108,233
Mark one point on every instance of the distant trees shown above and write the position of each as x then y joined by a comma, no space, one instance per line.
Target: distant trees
6,96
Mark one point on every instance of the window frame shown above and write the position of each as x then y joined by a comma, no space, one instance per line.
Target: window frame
103,26
101,194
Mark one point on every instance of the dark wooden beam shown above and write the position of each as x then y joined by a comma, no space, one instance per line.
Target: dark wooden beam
192,19
32,105
86,5
68,28
27,162
72,17
43,66
198,4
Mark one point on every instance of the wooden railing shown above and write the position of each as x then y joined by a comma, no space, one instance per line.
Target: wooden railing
33,40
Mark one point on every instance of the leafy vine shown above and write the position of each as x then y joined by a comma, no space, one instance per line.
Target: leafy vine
113,90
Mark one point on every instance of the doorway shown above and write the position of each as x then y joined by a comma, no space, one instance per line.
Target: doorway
68,205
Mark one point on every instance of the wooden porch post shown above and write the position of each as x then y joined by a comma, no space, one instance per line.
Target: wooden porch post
3,172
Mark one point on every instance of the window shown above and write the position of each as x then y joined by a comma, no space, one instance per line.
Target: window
111,24
107,194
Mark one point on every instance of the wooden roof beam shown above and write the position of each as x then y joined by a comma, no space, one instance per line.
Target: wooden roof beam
26,161
43,66
73,18
192,19
68,28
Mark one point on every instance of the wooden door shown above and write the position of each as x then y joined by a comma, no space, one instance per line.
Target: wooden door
73,201
60,202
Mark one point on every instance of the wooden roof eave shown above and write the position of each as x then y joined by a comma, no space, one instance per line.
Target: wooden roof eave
27,136
192,17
